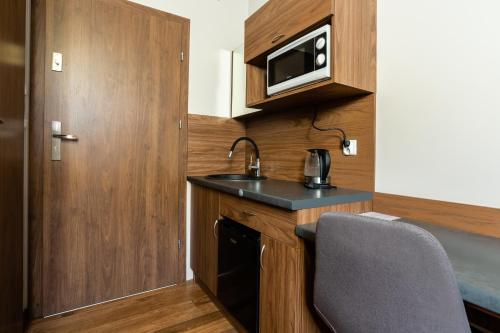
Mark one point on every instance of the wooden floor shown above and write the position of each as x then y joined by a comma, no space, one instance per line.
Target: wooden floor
183,308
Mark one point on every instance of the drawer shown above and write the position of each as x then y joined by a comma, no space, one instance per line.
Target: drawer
279,20
276,223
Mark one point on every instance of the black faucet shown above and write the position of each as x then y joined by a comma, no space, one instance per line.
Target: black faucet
255,168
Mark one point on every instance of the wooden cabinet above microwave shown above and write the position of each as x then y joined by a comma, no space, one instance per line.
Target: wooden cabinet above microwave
353,49
280,20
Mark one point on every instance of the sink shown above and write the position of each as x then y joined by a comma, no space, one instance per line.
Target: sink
239,177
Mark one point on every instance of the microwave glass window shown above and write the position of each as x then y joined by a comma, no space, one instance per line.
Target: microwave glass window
293,63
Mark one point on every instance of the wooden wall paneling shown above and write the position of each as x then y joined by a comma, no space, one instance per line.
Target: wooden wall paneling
36,144
12,108
355,43
209,141
283,138
475,219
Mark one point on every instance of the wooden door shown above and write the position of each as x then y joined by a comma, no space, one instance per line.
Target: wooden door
279,287
204,243
112,220
12,67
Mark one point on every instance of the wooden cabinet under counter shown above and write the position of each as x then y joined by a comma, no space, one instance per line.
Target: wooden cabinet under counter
204,247
286,270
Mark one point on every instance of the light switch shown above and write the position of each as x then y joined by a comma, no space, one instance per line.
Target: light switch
57,62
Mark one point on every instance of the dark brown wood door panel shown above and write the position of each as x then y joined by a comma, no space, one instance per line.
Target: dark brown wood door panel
12,77
112,204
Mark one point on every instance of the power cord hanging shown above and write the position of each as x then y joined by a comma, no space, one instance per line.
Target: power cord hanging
345,143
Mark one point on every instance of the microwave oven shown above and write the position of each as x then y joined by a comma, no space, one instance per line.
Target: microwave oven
302,61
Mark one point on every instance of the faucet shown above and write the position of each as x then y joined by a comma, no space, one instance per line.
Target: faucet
254,168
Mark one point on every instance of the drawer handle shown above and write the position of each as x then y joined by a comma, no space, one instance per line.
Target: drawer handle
249,213
215,228
277,38
261,254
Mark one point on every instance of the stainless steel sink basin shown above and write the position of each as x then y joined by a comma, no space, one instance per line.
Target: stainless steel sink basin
239,177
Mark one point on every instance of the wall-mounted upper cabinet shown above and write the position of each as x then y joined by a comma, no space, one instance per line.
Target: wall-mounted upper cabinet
352,49
280,20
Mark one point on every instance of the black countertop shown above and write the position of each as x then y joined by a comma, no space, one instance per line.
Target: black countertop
475,260
284,194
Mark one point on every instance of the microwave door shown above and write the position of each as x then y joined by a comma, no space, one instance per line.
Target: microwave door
292,64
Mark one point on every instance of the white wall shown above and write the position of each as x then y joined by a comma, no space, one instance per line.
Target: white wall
253,5
217,27
438,110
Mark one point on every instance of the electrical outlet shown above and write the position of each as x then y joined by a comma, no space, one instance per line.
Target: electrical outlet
352,150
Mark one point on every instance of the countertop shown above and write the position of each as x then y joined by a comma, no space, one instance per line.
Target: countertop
475,260
284,194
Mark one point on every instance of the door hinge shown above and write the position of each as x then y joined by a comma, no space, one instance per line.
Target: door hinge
180,124
182,55
179,244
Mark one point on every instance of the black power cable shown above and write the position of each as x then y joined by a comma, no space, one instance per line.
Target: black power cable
345,143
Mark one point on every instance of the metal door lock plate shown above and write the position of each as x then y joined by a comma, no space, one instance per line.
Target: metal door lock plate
56,142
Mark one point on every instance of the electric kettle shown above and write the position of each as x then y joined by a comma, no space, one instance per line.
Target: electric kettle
317,168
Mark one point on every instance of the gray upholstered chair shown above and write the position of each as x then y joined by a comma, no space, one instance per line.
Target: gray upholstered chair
377,276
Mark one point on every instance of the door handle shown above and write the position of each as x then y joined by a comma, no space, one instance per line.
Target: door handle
215,227
57,137
261,254
65,137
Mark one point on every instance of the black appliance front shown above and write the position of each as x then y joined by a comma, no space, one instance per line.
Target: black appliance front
238,275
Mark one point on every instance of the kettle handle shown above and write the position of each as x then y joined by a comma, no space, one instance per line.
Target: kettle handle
325,163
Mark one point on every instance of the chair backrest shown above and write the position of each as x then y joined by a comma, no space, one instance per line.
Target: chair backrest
379,276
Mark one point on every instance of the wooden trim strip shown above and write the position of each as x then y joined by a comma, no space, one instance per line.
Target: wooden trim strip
183,111
36,153
476,219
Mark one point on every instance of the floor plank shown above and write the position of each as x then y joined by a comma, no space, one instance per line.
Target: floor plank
183,308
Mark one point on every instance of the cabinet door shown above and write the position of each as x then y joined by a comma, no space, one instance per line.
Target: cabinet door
279,288
279,20
204,214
